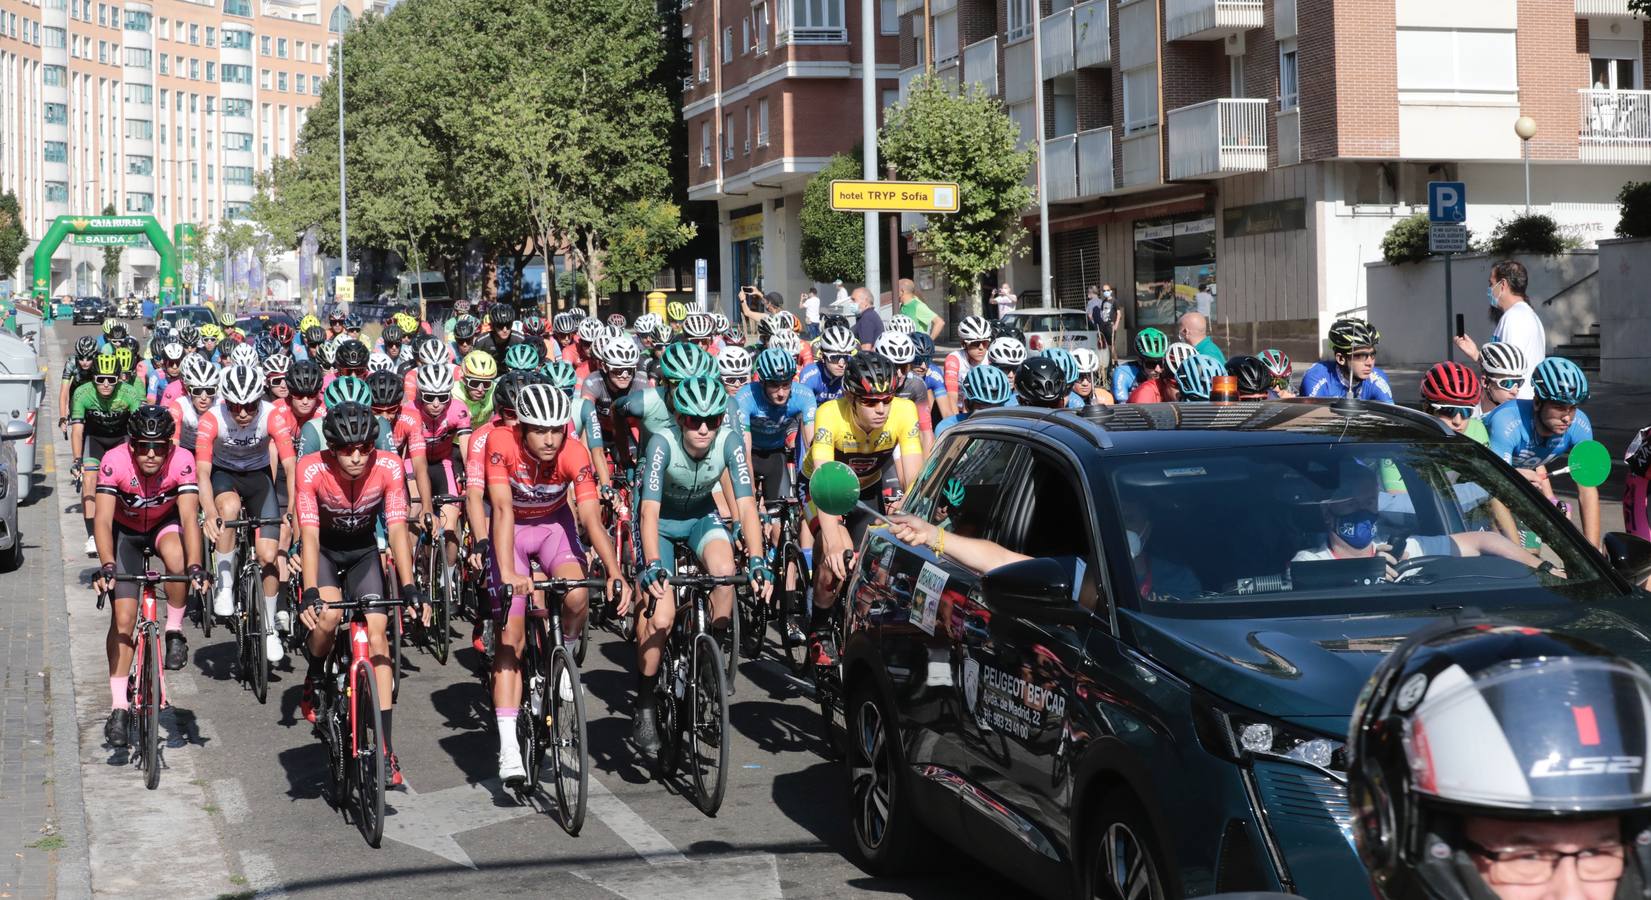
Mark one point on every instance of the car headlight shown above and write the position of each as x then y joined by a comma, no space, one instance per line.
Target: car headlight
1239,734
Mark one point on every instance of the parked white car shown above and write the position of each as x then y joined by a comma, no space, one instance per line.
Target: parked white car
1051,326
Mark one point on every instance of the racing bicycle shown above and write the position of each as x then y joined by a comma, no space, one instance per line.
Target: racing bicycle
146,684
247,620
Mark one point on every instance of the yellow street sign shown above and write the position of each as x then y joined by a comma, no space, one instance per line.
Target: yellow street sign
894,196
344,288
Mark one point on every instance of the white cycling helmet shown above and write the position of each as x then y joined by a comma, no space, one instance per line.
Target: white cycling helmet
432,352
620,353
1178,353
1089,362
613,333
380,362
243,355
838,339
565,322
646,324
719,322
436,378
543,406
784,319
243,384
896,347
1006,351
698,325
172,351
199,372
787,341
902,324
974,328
734,362
277,364
1502,360
590,328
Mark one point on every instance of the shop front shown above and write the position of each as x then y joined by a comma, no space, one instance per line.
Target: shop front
745,240
1174,269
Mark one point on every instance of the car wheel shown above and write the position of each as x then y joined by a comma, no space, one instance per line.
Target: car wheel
12,557
884,817
1122,862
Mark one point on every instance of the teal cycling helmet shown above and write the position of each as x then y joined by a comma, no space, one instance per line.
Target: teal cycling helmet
1558,380
1196,377
1151,343
986,386
1068,363
683,360
701,395
522,357
954,491
775,365
348,389
561,373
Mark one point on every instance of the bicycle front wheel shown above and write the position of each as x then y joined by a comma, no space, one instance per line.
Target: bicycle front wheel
707,708
568,758
369,751
257,661
149,708
535,706
793,606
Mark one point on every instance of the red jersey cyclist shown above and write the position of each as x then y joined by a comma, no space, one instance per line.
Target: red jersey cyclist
146,490
445,426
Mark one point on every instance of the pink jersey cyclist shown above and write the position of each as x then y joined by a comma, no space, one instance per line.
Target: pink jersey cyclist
545,529
440,435
142,504
1634,489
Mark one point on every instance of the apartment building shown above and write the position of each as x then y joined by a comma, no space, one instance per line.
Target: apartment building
1245,157
168,107
774,90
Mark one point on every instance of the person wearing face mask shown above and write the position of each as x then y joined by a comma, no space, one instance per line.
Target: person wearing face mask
1104,316
1516,320
1353,530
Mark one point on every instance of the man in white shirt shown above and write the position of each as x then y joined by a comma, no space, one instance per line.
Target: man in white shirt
842,298
1517,322
1004,298
811,314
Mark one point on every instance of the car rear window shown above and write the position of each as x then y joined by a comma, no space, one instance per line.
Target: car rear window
1061,321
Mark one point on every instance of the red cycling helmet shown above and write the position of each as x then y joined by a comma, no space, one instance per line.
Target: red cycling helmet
1451,383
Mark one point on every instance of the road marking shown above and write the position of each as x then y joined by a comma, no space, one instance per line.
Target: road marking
260,873
753,876
232,801
631,828
429,821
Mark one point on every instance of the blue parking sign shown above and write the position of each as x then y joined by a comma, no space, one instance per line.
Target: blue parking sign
1447,201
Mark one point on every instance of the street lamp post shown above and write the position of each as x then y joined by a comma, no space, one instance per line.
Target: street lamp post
1525,127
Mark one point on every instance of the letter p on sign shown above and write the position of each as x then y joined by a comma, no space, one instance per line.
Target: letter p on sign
1447,202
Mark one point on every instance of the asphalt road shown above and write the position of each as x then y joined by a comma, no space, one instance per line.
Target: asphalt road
239,810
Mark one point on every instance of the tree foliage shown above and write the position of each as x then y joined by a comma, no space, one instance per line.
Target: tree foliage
645,233
1532,233
939,135
833,243
14,239
1633,203
111,262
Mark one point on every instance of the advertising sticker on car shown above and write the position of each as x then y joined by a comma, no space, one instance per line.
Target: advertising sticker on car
1010,703
930,583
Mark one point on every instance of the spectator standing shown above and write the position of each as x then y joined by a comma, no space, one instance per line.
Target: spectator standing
751,308
869,325
1104,315
913,307
1195,330
1004,299
811,314
842,297
1516,320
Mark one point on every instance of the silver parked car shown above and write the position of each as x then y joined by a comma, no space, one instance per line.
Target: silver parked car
11,491
1051,326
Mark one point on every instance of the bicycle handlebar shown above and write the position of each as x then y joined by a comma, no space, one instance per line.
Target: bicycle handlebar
563,585
707,580
250,522
153,578
440,500
365,603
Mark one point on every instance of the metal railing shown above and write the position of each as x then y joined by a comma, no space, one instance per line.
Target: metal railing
1060,154
1058,58
980,64
1095,162
1218,137
1140,163
1209,19
1602,8
1092,34
1615,126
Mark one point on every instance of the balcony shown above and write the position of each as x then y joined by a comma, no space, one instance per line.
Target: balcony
980,64
1094,163
1058,56
1140,152
1092,34
1060,177
1617,8
1017,73
1209,20
1616,127
1217,138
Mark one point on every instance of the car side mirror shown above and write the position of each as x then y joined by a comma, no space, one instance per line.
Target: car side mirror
1040,589
1629,555
18,430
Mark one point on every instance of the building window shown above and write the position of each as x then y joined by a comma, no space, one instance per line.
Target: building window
194,33
238,109
57,192
55,113
165,69
264,43
705,145
211,70
704,60
728,136
195,69
1289,85
263,79
140,203
237,140
281,48
56,38
233,74
238,8
137,58
136,20
747,129
298,86
1469,62
237,211
315,86
164,30
211,36
140,129
1020,20
236,39
759,25
56,152
280,81
811,22
53,76
1140,98
211,104
211,174
303,49
103,13
140,165
762,122
241,175
728,44
102,51
888,17
142,94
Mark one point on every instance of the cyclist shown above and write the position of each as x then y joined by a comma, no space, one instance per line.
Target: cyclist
985,387
343,491
1529,434
922,366
352,358
898,349
734,367
1450,393
862,429
523,358
232,453
1068,365
200,380
532,469
164,384
825,376
1087,388
1195,377
146,494
499,337
431,351
335,324
349,389
774,416
475,478
976,334
1254,379
76,372
464,337
1477,768
1040,383
1008,354
479,370
1503,371
606,388
406,435
682,466
1151,345
651,406
97,423
1351,371
565,378
700,328
564,327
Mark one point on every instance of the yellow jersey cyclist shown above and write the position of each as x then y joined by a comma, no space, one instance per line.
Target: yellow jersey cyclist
863,428
682,465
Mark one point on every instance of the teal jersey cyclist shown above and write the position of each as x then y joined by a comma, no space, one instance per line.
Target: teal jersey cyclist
682,465
348,389
651,407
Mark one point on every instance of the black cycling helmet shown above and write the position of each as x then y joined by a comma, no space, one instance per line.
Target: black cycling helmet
349,423
1347,335
1494,721
1252,374
351,354
314,334
86,348
304,378
117,332
507,387
833,322
500,314
386,388
1040,382
150,423
464,329
869,375
393,335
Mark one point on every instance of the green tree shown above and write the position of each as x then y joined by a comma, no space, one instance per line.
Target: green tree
833,243
14,239
111,262
647,231
938,135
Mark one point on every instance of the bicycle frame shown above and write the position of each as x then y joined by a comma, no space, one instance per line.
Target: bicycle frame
361,654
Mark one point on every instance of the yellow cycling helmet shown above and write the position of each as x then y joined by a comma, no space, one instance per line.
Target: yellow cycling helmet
676,310
408,323
108,325
211,332
123,358
305,323
480,364
106,364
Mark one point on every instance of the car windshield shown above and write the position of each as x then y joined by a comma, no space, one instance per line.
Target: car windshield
252,326
1220,531
1052,321
200,315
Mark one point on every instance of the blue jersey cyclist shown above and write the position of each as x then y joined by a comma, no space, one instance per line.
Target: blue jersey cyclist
984,387
1351,371
824,377
682,465
776,418
1529,434
1151,346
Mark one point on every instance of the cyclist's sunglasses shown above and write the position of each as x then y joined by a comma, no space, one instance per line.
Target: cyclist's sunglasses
695,423
203,392
151,448
837,359
617,374
1508,384
735,380
875,401
311,395
1451,410
360,449
435,398
478,384
1149,363
973,344
243,407
275,381
106,379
